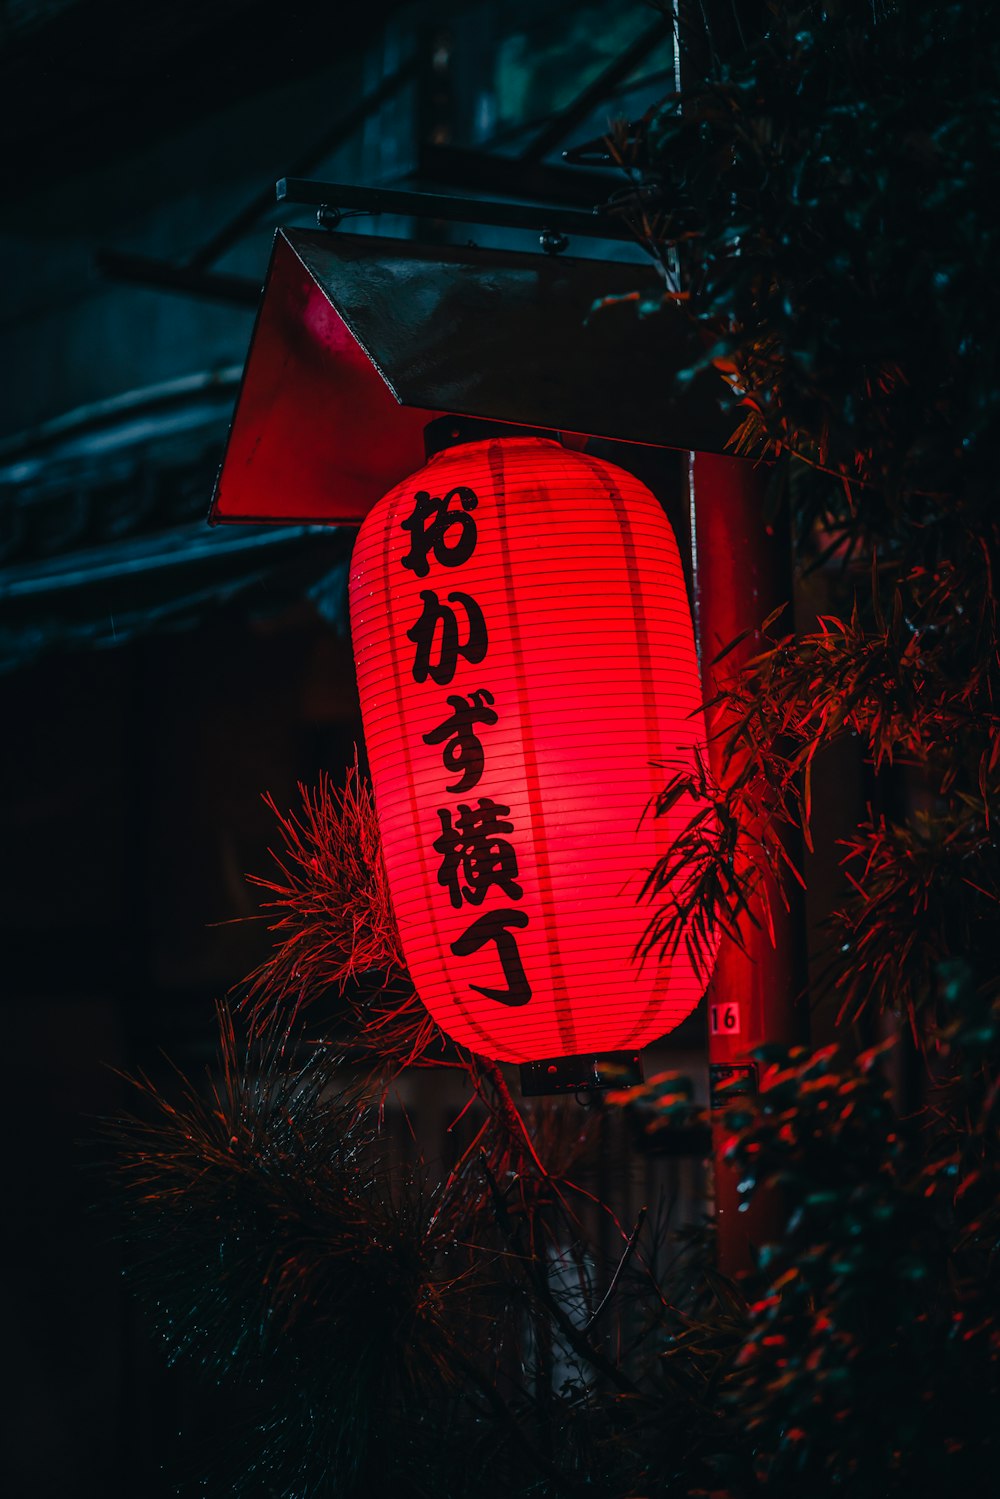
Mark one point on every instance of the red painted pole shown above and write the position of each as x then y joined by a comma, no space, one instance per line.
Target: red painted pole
742,571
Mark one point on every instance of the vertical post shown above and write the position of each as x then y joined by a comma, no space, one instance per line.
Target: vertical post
742,571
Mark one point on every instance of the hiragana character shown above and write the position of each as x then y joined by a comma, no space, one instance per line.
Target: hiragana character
425,632
464,751
429,524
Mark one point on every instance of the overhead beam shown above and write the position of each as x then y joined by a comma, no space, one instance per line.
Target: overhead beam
163,275
604,85
482,171
374,200
241,223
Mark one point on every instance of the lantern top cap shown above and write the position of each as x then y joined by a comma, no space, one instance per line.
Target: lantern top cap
360,342
477,444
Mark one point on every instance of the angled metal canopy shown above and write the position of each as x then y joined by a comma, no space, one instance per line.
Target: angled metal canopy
360,342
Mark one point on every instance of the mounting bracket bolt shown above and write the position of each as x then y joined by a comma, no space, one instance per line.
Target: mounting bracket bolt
553,244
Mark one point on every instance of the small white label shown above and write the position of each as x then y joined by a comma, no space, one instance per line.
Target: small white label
724,1020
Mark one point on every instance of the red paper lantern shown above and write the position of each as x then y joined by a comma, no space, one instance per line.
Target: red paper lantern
527,668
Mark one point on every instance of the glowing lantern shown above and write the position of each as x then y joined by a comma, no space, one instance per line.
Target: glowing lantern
527,669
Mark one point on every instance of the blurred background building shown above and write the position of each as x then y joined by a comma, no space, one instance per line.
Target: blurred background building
158,675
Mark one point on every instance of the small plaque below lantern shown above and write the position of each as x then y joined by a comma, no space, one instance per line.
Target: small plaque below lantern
618,1069
728,1082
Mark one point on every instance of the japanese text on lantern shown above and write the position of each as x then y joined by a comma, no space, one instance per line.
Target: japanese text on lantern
475,853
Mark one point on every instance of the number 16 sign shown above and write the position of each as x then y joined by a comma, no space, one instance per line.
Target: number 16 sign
724,1020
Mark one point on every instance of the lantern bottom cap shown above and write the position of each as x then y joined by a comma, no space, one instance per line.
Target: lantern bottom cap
590,1070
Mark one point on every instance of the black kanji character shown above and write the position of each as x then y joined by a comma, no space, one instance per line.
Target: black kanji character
492,926
464,751
474,856
424,633
429,524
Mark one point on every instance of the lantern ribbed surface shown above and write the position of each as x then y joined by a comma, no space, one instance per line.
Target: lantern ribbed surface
528,679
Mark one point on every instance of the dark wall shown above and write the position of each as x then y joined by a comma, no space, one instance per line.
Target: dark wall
130,812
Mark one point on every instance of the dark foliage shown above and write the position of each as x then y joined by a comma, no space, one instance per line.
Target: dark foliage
826,196
268,1247
335,929
365,1317
829,185
866,1359
871,1361
826,191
